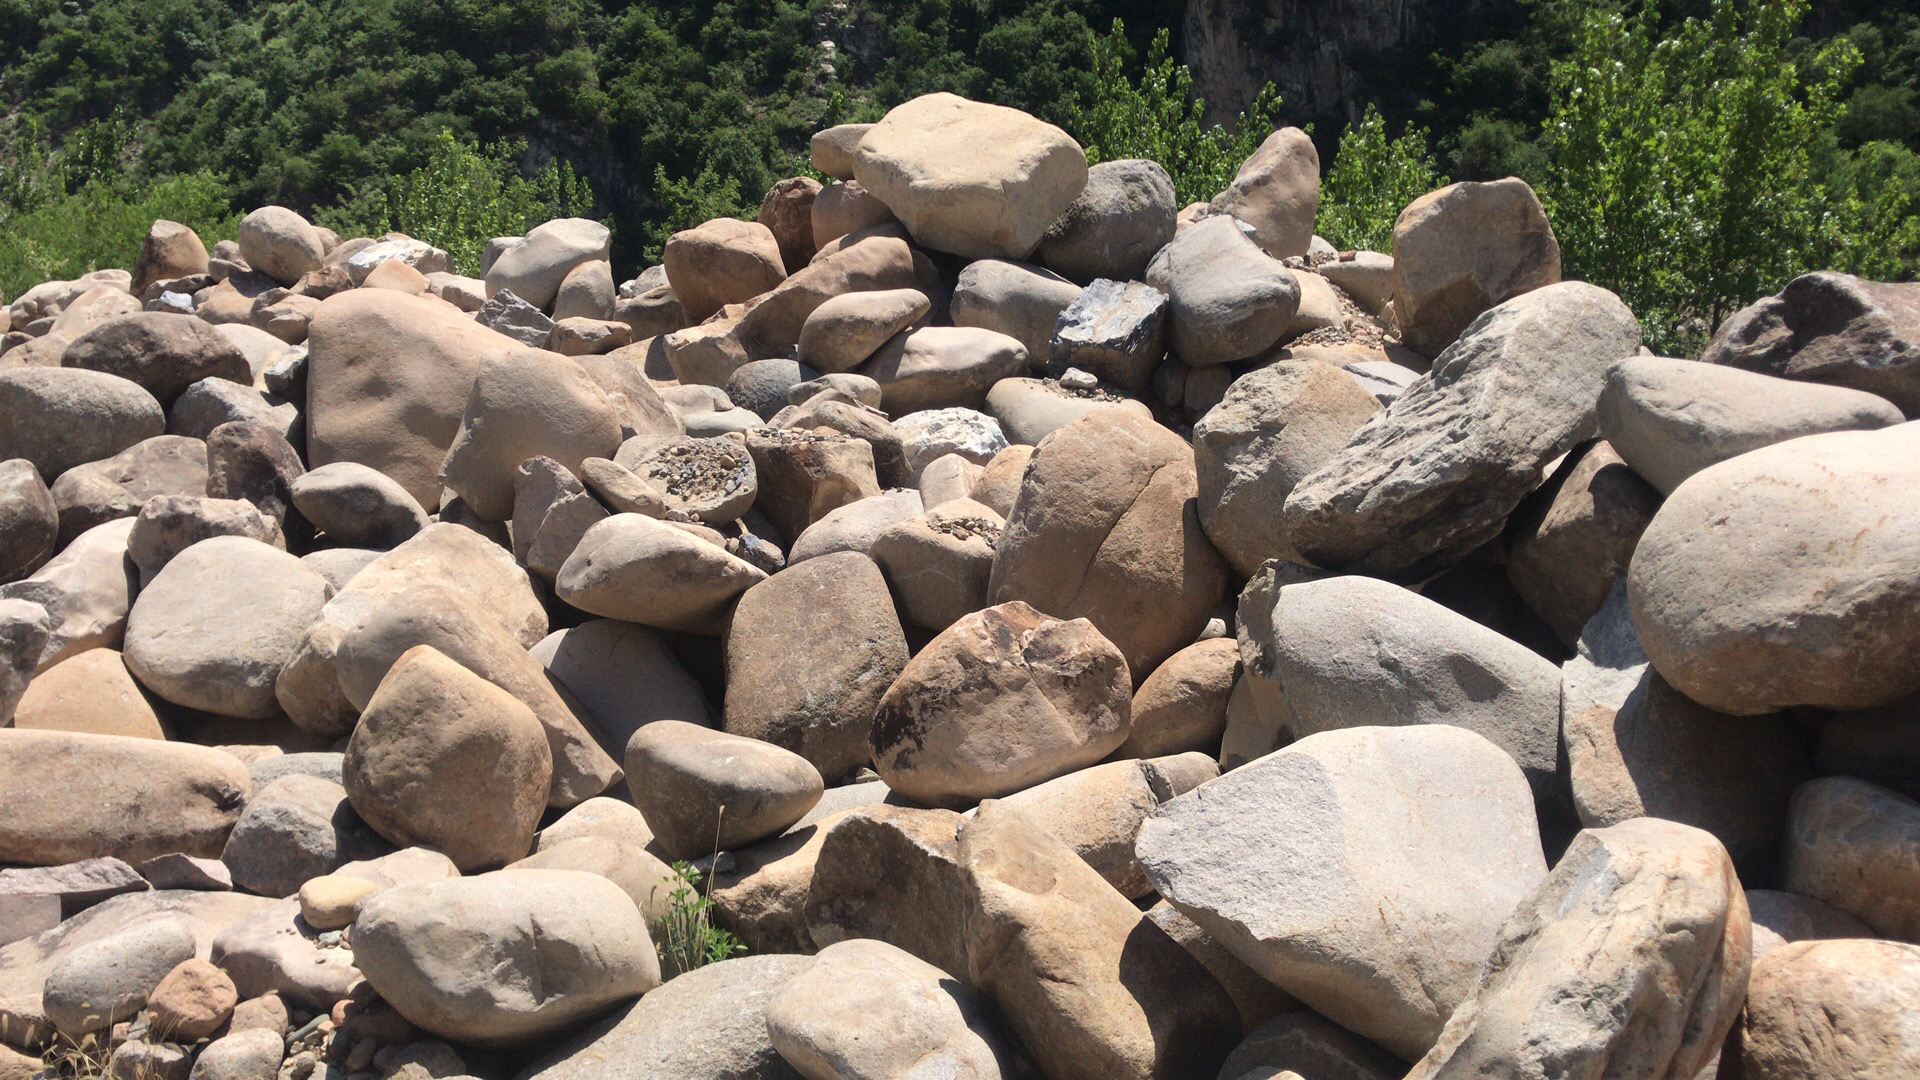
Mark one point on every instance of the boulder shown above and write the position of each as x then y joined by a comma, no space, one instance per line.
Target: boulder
72,888
506,314
1669,419
599,816
1182,706
1116,224
25,630
709,1024
787,210
281,244
950,478
214,628
534,268
941,561
861,262
89,692
275,951
1089,984
1017,299
327,902
587,292
29,522
1635,949
832,149
810,652
712,480
357,506
58,418
294,829
934,433
245,1054
256,463
1829,328
1856,846
640,570
163,353
979,181
397,248
1436,474
1572,540
1272,430
456,624
1104,529
1227,299
1379,915
522,406
1276,191
1256,999
98,984
86,591
100,491
938,367
1306,1044
1827,518
193,1001
504,959
854,526
647,881
1003,699
170,524
1098,811
624,676
147,797
704,791
843,208
1353,651
210,403
389,376
843,331
170,251
725,261
1464,249
760,386
1824,1009
804,475
826,414
1031,409
867,1010
1782,918
891,873
1116,330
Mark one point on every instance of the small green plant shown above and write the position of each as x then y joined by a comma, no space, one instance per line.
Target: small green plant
1371,180
1159,118
694,201
686,935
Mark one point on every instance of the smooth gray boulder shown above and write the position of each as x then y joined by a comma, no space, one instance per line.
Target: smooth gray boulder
1830,328
294,829
855,526
1228,300
1856,846
219,622
356,506
505,959
641,570
61,417
1113,229
1019,300
535,267
105,981
1436,474
1671,418
1378,908
625,677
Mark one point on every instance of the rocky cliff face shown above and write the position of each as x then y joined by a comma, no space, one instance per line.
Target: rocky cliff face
1328,57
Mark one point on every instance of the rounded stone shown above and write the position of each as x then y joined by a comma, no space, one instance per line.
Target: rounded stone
704,791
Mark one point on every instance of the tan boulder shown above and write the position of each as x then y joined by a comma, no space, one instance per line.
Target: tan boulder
443,758
725,261
1105,528
89,692
170,250
1823,1010
805,475
1463,249
641,570
1857,846
648,881
939,367
1182,706
863,263
281,244
1098,811
844,330
145,798
195,1000
530,404
832,149
1003,699
842,208
1277,191
787,211
892,873
980,181
940,561
534,267
1574,538
705,791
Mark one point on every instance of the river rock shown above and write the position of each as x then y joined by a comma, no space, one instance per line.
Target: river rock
1827,517
625,677
1464,249
704,791
810,653
804,475
522,406
148,797
1856,846
1672,418
1436,474
504,959
1645,926
867,1010
1098,811
193,1001
1573,539
938,367
711,479
281,244
1112,230
1017,299
86,591
1277,191
1104,529
1117,330
161,352
1782,918
1830,328
88,692
1228,300
844,330
1375,960
169,251
103,982
294,829
534,268
1824,1009
1182,706
1273,429
357,506
980,181
1003,699
635,568
892,873
58,418
29,522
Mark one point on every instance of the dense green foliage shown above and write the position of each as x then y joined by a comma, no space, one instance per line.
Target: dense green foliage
1694,153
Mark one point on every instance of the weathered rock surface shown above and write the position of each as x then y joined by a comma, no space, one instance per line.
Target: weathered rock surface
640,570
1573,539
1835,620
1182,706
1436,474
117,487
29,522
294,829
86,591
1633,953
1830,328
940,367
625,677
147,797
1001,700
1782,918
91,692
1098,811
1464,249
892,873
58,418
163,353
507,958
1378,913
1116,330
535,267
704,791
1228,300
1116,224
1856,846
521,406
357,506
1276,191
1828,1009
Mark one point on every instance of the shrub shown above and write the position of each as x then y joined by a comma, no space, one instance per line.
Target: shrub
686,936
1371,180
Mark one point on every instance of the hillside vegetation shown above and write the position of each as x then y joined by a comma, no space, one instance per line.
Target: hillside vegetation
1693,156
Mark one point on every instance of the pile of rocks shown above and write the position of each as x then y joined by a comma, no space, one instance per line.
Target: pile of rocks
1066,636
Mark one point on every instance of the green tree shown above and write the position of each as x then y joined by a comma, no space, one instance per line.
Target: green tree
1683,169
464,196
1158,117
1371,180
